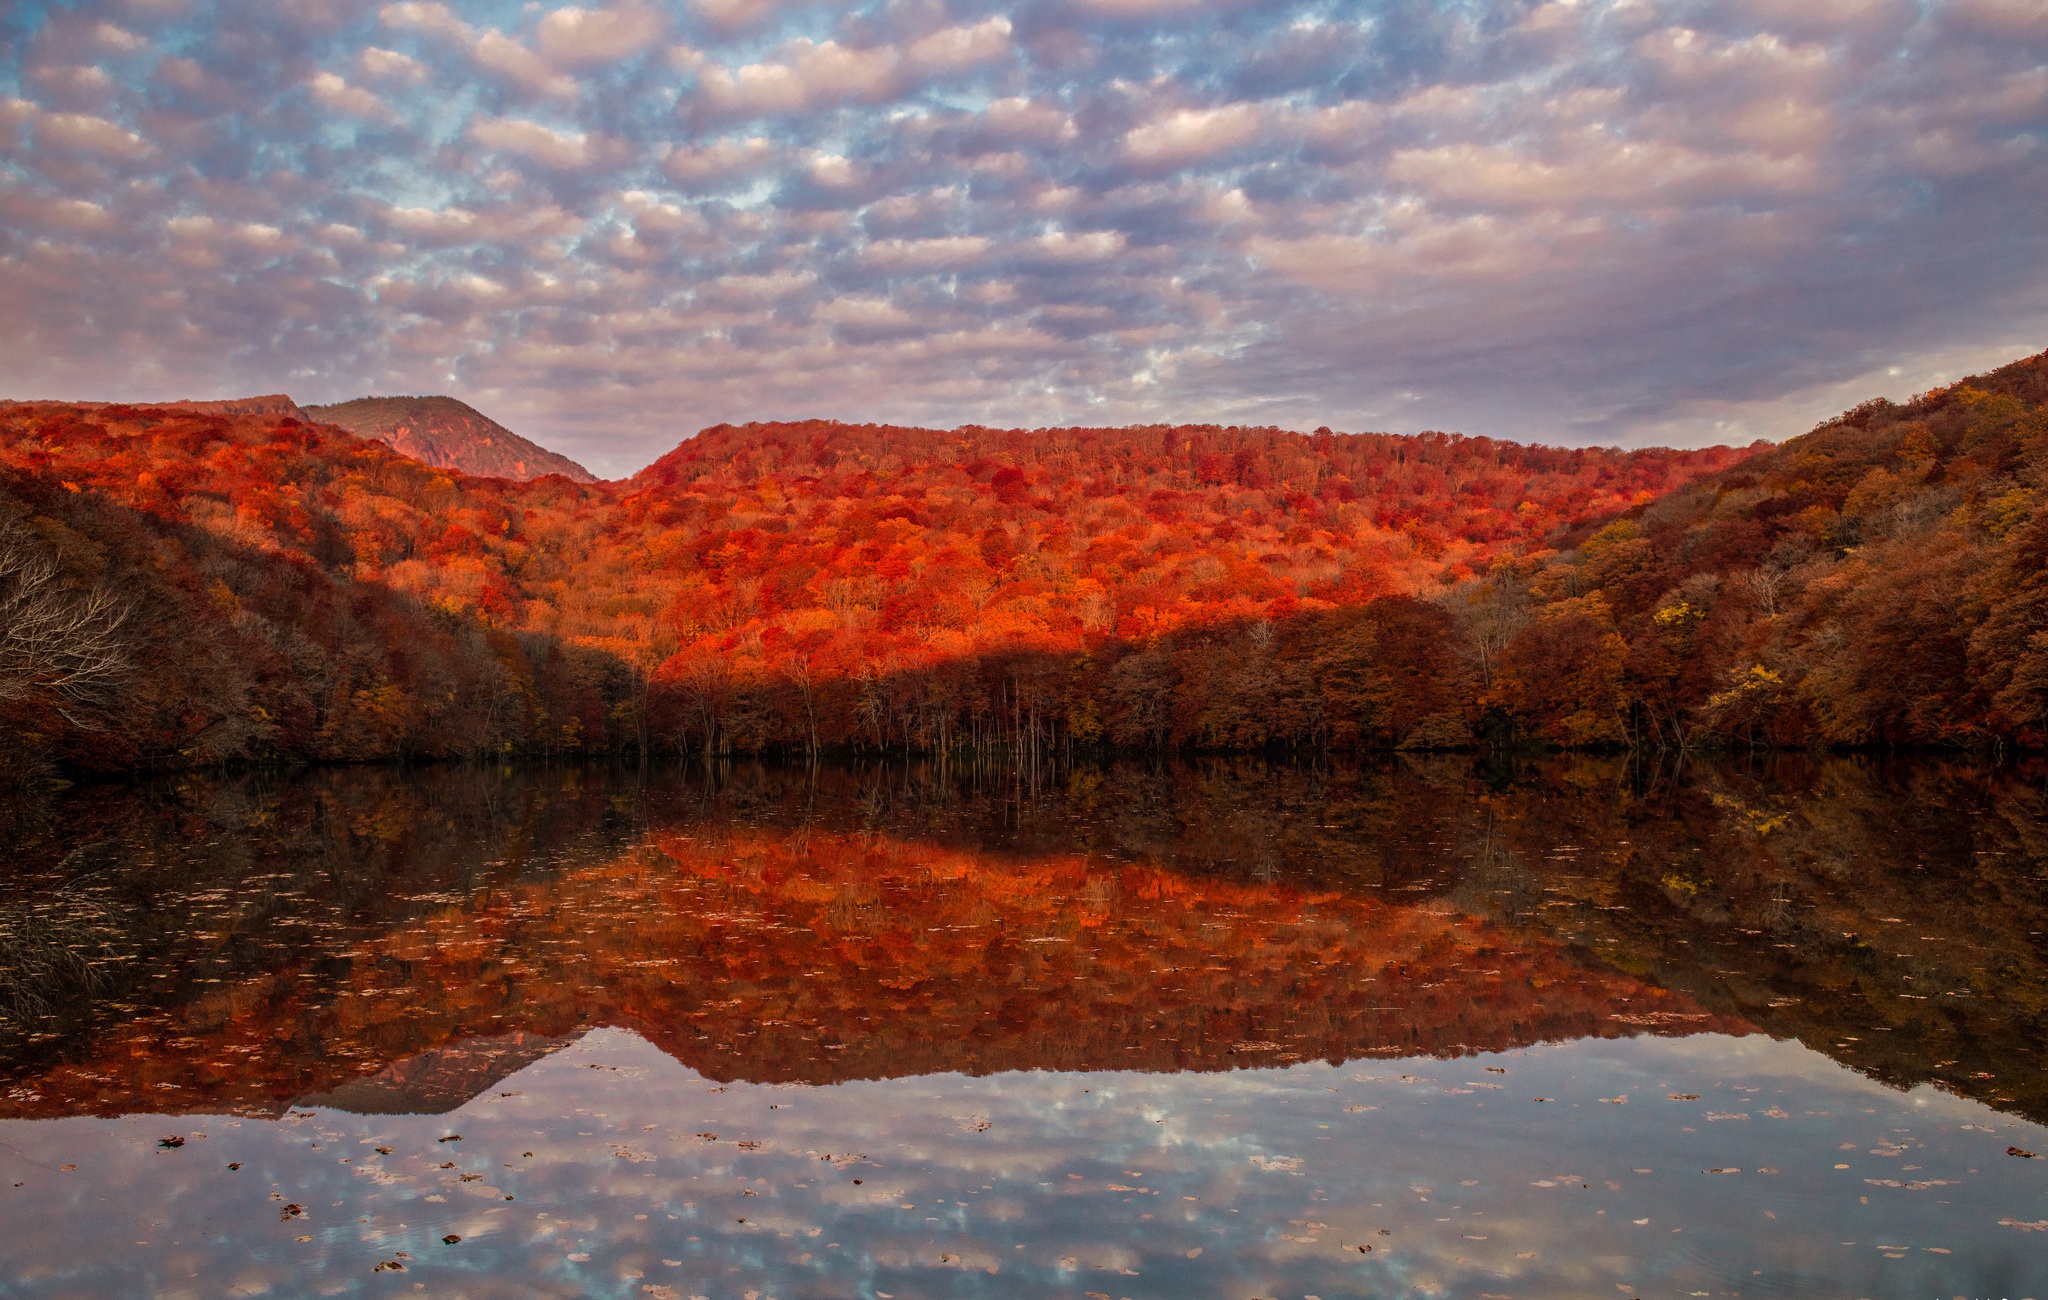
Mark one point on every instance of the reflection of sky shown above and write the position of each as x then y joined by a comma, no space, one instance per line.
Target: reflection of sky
591,1173
611,223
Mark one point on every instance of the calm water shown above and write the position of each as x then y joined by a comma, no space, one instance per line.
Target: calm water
1232,1030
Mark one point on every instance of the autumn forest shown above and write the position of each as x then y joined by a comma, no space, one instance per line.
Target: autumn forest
185,587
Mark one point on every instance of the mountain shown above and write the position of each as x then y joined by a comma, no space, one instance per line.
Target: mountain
277,404
448,434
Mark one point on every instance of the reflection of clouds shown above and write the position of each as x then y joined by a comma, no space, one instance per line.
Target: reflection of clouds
1176,1184
1683,221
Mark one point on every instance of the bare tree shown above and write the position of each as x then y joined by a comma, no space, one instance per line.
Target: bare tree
59,645
1490,611
1764,585
798,671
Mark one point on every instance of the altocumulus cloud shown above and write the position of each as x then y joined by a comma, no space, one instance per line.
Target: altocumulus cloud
613,223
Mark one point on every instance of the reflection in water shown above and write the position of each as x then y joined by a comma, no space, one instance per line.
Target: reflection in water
1188,1030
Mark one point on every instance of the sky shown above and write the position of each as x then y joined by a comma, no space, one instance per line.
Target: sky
1573,221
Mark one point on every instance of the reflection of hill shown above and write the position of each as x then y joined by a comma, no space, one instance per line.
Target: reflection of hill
824,956
370,937
439,1079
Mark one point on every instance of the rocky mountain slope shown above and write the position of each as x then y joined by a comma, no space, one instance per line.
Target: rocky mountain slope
448,434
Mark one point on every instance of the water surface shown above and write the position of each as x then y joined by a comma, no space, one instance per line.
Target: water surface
1230,1029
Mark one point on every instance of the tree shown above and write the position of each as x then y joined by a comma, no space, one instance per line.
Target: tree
60,645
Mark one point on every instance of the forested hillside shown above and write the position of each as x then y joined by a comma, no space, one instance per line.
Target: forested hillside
1880,580
249,586
182,588
835,584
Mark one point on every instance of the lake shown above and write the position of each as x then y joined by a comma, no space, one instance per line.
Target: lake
1422,1027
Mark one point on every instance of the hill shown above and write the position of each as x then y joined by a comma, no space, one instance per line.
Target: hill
830,583
448,434
184,588
1881,580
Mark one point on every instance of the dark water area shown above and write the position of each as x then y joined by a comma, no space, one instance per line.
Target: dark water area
1236,1029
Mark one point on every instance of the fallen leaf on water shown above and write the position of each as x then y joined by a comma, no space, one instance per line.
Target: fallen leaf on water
452,1137
292,1211
170,1143
383,1151
2015,1151
234,1164
450,1239
1683,1096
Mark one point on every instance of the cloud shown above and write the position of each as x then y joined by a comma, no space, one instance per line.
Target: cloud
729,14
116,38
720,160
1600,171
337,94
390,65
1192,133
808,73
1092,246
84,133
952,48
519,65
537,143
487,48
584,38
944,252
1019,118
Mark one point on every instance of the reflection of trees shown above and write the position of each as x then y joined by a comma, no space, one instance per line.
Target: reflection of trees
57,945
882,917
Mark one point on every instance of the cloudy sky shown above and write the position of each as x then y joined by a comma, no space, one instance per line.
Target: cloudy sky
1577,220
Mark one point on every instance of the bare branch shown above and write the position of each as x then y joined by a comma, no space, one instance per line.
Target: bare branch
59,645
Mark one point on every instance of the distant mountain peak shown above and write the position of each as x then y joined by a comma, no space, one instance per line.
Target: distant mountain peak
278,404
448,434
